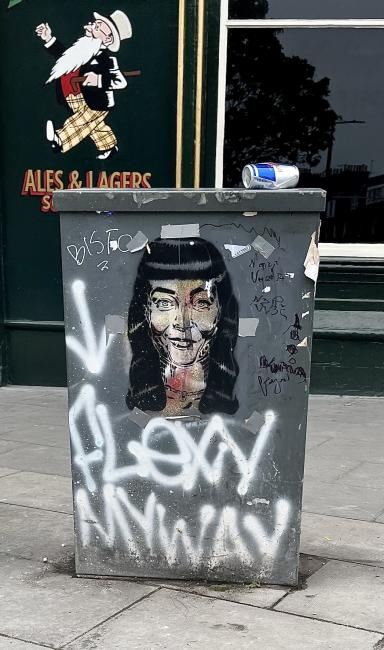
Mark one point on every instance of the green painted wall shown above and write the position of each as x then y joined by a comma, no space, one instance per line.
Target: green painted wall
144,121
32,349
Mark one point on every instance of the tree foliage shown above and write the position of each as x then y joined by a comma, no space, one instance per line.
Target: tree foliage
275,108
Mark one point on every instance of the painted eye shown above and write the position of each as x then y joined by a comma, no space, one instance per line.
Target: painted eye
164,304
201,304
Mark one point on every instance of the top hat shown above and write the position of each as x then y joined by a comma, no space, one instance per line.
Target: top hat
120,26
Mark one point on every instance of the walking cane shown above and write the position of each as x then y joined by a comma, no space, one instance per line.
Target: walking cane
78,80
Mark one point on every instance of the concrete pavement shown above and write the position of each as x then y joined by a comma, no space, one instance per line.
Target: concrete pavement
341,601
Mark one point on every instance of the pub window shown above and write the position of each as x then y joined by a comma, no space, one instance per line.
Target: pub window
300,82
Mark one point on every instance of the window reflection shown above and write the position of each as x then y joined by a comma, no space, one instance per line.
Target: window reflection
310,9
309,97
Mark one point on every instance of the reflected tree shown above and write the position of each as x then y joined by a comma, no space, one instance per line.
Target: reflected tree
275,108
248,9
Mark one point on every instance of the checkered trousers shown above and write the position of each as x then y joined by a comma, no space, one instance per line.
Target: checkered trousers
83,123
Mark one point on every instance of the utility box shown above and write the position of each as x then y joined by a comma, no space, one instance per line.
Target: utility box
188,321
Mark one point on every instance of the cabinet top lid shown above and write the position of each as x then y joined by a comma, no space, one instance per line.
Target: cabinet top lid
190,200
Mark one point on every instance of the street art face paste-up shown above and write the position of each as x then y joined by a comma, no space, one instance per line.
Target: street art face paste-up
182,327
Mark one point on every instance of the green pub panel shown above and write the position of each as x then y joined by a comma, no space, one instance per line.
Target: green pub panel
184,94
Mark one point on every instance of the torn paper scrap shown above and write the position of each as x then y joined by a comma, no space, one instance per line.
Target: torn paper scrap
254,422
248,326
266,290
139,417
114,325
290,275
312,260
262,246
303,343
137,243
237,250
180,231
304,314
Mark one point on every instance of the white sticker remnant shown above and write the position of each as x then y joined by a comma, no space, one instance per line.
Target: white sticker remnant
266,290
312,260
306,295
114,325
263,246
113,244
304,314
249,214
248,326
138,242
290,275
180,231
303,343
257,500
237,250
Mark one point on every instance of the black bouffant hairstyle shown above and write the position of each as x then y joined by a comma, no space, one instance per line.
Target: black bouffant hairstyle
182,259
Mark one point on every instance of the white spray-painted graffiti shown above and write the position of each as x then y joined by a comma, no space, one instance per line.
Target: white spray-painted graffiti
94,352
191,458
107,507
227,527
222,526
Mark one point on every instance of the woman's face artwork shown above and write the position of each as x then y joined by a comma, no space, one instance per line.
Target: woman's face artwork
183,315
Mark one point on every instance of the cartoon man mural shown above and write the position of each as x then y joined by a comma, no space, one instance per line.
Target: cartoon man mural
90,58
182,327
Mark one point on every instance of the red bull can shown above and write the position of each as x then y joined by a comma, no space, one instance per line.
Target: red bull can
270,176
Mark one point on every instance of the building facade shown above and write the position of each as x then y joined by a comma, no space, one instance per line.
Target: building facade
203,88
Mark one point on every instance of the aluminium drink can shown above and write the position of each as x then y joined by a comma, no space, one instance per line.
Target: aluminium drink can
270,176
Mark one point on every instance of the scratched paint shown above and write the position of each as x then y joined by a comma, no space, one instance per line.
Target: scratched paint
204,481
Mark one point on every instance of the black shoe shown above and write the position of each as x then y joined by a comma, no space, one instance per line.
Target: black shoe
55,147
108,154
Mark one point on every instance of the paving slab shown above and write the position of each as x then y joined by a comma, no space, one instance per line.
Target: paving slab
327,469
41,606
340,500
32,394
248,594
6,446
366,448
369,475
177,621
252,594
6,471
37,490
53,435
37,458
34,534
7,424
31,423
342,539
351,417
341,592
314,441
15,644
380,518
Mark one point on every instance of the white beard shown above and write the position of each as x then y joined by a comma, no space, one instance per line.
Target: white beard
75,56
